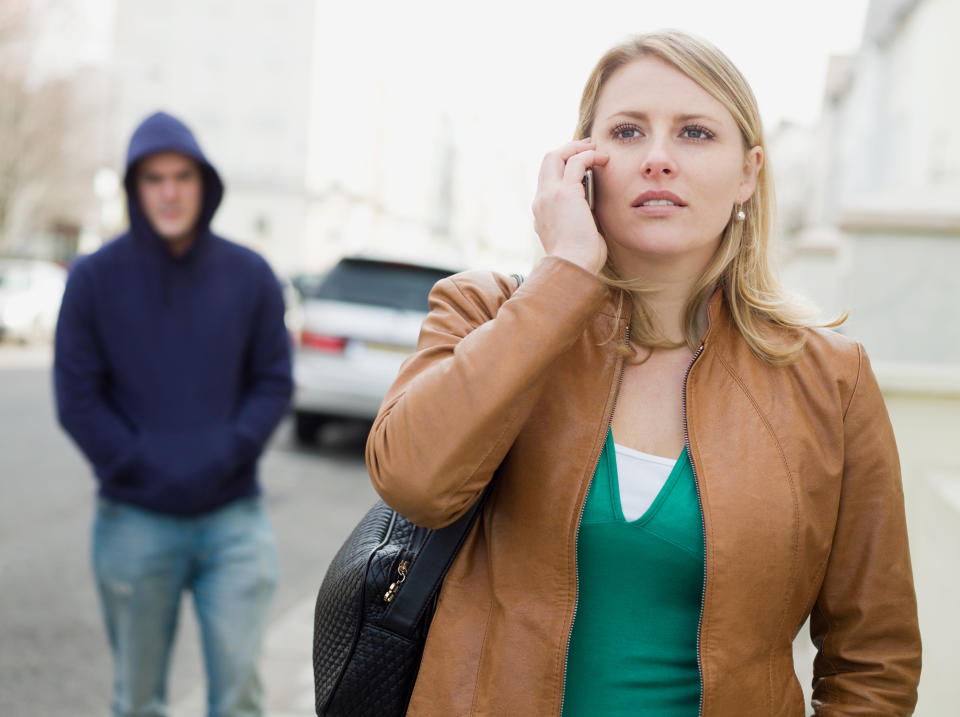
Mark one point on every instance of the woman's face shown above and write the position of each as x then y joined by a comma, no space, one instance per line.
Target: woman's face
677,167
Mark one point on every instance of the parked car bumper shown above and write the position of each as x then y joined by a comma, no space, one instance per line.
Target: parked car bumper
334,387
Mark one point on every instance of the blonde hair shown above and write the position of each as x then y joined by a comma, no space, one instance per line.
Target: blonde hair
742,263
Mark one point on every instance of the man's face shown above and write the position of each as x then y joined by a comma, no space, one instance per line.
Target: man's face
170,188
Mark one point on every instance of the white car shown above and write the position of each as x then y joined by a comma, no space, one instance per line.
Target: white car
30,295
358,325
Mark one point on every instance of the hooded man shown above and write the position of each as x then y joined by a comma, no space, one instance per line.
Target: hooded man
172,368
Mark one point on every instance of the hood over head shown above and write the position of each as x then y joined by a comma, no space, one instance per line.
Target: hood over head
161,132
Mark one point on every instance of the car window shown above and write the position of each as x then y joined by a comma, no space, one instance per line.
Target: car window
307,284
399,286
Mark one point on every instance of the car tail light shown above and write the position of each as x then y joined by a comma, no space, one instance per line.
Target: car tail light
321,342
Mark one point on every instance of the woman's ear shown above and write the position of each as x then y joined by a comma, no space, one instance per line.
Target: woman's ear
752,164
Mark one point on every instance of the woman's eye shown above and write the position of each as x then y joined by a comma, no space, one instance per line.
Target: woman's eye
625,131
696,132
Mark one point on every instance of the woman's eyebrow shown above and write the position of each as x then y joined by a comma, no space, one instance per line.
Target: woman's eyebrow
644,117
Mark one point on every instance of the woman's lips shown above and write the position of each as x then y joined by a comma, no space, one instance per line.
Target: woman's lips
658,203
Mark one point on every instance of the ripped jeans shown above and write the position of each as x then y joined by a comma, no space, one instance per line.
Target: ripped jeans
145,561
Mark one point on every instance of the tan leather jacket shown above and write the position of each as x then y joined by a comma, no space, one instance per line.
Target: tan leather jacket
796,468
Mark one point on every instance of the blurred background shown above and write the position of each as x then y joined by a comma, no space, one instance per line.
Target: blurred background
412,133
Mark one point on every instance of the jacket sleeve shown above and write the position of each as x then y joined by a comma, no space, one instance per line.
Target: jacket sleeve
107,438
268,377
864,623
459,402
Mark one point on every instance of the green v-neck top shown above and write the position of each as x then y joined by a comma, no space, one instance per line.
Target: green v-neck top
633,649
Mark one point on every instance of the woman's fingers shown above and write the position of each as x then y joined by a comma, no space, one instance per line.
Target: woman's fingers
561,174
562,219
579,163
552,167
555,185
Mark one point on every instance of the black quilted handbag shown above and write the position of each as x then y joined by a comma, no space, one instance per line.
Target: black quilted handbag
374,609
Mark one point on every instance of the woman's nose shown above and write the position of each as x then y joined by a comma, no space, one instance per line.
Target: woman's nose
658,162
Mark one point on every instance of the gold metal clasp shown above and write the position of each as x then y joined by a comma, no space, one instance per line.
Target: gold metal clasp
395,586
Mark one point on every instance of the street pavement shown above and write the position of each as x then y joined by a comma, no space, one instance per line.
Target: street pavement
286,668
54,658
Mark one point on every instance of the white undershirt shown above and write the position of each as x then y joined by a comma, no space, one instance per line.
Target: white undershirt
641,477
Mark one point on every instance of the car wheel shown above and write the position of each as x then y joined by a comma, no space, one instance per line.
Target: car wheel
307,426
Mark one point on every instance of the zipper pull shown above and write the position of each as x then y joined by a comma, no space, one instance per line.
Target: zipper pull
395,586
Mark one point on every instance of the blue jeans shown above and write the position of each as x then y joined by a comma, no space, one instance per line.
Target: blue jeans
144,561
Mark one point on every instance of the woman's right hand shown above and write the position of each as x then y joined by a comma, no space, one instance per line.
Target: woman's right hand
562,218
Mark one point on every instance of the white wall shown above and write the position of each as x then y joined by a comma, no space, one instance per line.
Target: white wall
887,178
904,296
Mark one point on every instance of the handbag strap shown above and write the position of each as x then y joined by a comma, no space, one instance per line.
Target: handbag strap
427,572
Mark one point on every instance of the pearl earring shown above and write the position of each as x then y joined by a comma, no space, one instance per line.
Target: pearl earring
741,215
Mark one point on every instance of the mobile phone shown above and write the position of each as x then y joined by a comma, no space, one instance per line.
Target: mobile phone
588,187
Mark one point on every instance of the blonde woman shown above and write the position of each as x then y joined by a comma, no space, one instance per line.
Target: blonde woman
685,468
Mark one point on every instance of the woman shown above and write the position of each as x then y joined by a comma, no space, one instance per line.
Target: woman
606,575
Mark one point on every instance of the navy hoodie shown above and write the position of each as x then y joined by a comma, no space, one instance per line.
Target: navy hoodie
171,372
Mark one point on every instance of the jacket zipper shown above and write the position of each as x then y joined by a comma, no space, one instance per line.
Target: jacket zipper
576,576
703,523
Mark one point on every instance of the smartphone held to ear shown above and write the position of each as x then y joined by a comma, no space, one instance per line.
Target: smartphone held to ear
588,187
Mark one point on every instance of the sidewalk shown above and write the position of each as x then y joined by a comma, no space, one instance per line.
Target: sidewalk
17,356
286,668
